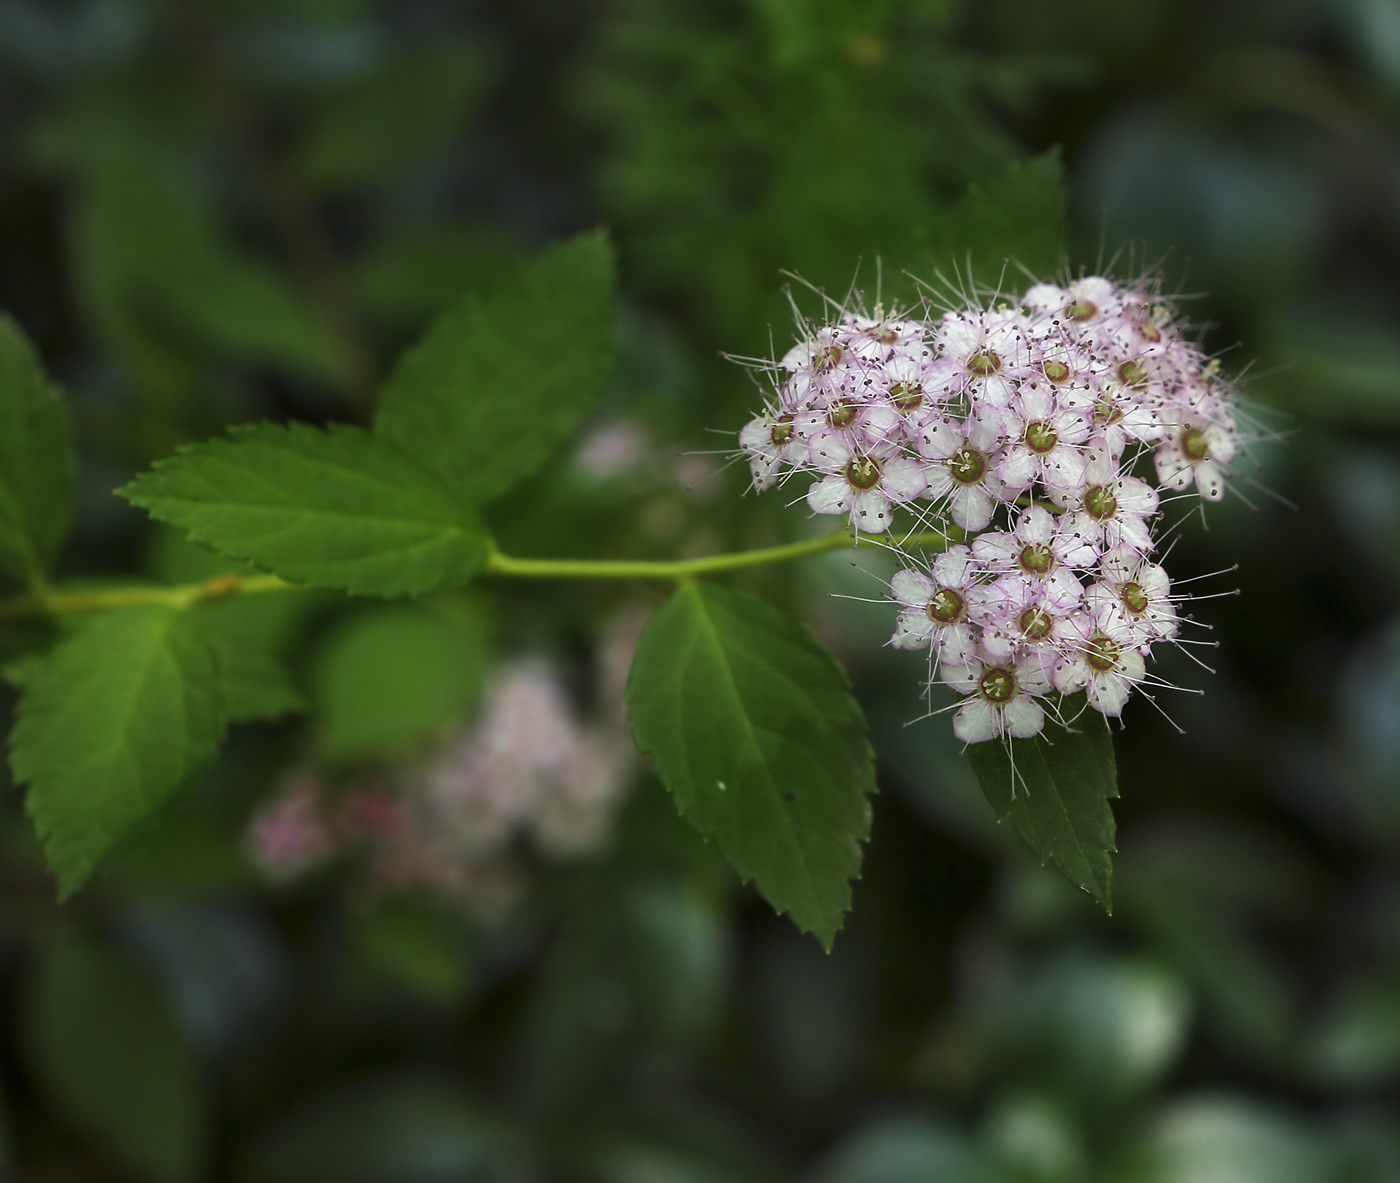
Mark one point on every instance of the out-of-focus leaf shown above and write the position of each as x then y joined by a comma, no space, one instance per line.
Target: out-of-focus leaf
159,279
389,1130
901,1150
415,274
1055,788
409,106
417,945
1359,1041
106,1048
1222,1137
117,718
339,509
1018,215
755,732
38,472
388,679
503,377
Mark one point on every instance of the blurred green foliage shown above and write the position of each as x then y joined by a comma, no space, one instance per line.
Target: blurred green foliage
222,212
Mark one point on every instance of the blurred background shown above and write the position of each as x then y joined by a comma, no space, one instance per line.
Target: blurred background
445,926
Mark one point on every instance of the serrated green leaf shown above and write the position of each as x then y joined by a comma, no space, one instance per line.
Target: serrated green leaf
502,377
117,718
1057,797
38,473
107,1051
337,509
389,679
753,728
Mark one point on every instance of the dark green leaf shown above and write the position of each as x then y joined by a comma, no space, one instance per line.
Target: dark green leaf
503,377
394,1129
37,471
1018,215
337,509
108,1052
754,730
389,679
1055,789
411,105
120,715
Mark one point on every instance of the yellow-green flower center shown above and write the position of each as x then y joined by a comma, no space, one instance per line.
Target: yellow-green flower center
1102,653
984,363
1036,558
781,432
967,466
1131,373
945,607
1035,624
862,472
1040,437
1099,503
908,396
1082,310
828,357
1057,371
842,414
1133,597
997,684
1194,445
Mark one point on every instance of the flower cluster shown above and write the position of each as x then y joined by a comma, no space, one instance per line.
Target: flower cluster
1021,424
527,768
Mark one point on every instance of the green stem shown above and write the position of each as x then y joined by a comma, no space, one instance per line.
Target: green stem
183,596
46,603
678,569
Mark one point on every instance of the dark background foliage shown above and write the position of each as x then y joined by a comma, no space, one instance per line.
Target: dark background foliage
219,212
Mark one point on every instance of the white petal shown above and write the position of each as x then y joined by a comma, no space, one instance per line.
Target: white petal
952,567
830,450
971,507
1024,717
903,480
1070,674
1209,480
913,589
1019,467
871,511
829,495
956,644
962,678
1108,693
913,630
976,720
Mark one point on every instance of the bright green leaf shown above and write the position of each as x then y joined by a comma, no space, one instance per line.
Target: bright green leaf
1055,789
389,679
754,731
121,714
502,377
37,471
337,509
107,1050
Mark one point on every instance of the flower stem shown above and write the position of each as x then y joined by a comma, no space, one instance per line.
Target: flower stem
51,603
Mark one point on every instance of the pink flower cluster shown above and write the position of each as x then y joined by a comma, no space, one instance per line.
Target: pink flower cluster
1021,424
528,770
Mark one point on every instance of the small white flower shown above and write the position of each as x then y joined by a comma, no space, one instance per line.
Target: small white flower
1001,698
866,484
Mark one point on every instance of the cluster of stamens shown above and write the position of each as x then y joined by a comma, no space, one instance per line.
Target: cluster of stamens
1019,423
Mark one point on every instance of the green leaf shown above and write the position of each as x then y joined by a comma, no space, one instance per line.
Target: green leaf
38,474
1020,214
754,731
1055,789
408,107
391,678
336,509
107,1051
503,377
121,714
